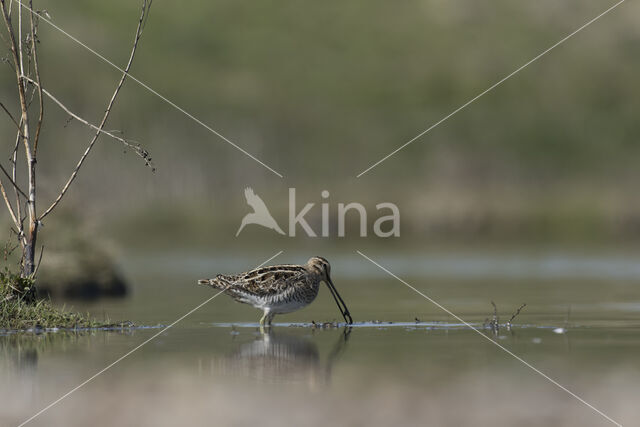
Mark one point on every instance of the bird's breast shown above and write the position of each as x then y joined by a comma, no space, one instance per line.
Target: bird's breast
295,298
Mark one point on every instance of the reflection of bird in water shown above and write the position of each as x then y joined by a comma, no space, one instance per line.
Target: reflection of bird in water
275,357
280,288
260,215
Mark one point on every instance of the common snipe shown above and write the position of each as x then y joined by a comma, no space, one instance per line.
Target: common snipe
280,288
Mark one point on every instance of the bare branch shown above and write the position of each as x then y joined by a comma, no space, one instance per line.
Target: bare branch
35,271
132,145
496,319
20,53
15,122
14,170
15,53
99,129
14,164
8,203
17,220
24,121
515,314
34,54
13,183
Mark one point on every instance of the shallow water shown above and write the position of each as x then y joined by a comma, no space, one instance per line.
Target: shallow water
404,361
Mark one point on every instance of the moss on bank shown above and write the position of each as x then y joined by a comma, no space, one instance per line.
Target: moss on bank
21,309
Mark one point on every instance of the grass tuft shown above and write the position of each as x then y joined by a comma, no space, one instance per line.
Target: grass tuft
20,309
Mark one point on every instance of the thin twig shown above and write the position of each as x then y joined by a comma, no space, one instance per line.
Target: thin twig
24,121
496,319
34,54
99,130
493,324
17,216
14,170
515,314
35,272
132,145
10,116
20,54
8,203
13,183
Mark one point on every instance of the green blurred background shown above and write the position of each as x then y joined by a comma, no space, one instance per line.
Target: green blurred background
319,91
528,195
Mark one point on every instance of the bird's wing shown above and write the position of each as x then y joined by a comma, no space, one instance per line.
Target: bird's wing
255,201
270,280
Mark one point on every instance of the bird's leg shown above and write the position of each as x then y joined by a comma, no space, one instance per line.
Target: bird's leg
270,317
262,320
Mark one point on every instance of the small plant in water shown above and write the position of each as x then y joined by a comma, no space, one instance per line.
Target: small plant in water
494,323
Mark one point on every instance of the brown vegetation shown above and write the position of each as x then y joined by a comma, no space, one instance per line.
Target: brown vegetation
21,198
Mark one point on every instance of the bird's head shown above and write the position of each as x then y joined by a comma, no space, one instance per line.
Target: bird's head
320,266
323,269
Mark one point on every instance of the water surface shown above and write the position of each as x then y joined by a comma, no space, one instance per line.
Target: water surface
405,361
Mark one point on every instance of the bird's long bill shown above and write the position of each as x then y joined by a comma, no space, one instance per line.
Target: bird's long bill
341,305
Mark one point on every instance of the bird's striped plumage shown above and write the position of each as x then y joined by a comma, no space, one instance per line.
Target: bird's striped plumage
278,289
